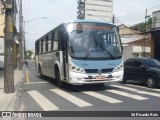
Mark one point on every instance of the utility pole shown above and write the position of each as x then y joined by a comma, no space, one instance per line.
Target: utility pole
20,36
113,19
8,55
145,39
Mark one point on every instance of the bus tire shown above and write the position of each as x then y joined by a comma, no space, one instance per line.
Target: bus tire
124,80
40,72
58,78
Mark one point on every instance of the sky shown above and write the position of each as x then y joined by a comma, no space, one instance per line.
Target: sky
126,12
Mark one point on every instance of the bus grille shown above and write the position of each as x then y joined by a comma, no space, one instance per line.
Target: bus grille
96,70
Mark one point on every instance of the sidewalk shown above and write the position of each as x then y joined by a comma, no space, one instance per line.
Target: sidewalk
7,101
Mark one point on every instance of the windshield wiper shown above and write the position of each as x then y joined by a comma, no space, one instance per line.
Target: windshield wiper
89,51
106,50
101,46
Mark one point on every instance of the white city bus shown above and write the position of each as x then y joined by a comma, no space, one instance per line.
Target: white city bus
81,52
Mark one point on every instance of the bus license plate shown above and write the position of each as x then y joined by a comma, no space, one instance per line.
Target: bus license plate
100,77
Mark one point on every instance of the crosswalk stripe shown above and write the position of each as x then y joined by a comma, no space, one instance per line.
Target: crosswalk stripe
103,97
45,104
137,91
77,101
137,97
144,87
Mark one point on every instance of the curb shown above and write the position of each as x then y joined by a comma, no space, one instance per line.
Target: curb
8,100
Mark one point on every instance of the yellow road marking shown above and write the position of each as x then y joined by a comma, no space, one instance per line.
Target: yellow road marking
27,76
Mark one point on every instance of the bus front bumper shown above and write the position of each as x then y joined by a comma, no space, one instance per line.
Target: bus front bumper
79,78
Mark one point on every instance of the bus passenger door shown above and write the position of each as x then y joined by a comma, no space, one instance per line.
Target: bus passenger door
65,57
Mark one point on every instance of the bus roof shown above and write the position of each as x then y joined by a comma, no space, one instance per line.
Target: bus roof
85,20
79,21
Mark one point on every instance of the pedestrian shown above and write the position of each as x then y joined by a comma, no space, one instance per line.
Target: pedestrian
26,62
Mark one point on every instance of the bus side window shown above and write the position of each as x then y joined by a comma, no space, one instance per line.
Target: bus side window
46,41
52,45
50,42
44,45
110,42
36,47
56,38
115,41
105,39
41,46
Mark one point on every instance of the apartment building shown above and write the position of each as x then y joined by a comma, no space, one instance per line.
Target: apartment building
101,10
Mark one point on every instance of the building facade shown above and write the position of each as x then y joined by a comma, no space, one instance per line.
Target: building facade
2,36
133,43
1,20
155,35
101,10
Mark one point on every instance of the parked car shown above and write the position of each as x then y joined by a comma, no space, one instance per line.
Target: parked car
143,70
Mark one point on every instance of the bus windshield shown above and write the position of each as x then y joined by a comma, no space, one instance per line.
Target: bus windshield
94,41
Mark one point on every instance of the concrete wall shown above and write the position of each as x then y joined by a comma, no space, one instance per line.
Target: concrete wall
127,52
132,51
139,49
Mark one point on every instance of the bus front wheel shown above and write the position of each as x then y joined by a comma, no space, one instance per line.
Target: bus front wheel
40,72
58,78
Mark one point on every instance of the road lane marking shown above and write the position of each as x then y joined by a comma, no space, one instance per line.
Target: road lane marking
102,97
137,97
137,91
144,87
27,76
36,83
77,101
44,103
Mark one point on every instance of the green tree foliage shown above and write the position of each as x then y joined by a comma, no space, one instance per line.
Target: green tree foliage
141,26
28,54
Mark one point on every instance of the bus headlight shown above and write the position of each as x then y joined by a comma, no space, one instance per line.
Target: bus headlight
73,67
118,68
76,69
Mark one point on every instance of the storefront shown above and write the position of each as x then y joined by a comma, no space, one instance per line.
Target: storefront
155,35
155,44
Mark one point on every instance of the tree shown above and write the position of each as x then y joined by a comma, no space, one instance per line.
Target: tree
141,26
28,54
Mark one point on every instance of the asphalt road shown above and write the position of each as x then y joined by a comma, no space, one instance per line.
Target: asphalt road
42,94
1,72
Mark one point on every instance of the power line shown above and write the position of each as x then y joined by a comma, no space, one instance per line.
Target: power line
140,12
138,16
